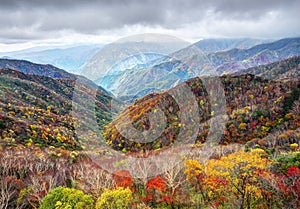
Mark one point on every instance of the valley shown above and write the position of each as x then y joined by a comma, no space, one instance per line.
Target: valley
213,124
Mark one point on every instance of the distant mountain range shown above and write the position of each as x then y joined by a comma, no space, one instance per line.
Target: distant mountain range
225,44
129,53
107,66
45,70
69,58
132,69
111,80
174,71
285,69
35,69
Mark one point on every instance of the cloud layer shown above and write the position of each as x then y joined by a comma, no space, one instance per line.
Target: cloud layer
191,19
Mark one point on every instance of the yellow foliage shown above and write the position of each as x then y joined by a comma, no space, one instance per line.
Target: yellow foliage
34,133
283,136
246,109
192,169
243,126
294,145
236,162
278,100
238,169
29,144
115,199
289,115
259,151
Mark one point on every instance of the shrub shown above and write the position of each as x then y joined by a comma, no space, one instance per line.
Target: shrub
115,199
286,160
67,198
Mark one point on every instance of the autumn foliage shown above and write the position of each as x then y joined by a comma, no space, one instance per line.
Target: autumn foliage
123,178
45,164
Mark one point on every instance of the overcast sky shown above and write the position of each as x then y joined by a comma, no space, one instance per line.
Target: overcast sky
26,23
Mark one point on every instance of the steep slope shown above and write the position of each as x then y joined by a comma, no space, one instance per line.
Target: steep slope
38,110
161,77
35,69
113,58
235,60
112,80
287,68
255,107
45,70
132,62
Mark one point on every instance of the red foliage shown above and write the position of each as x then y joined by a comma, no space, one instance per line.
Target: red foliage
253,124
289,184
293,171
220,182
123,178
216,204
168,199
201,177
157,183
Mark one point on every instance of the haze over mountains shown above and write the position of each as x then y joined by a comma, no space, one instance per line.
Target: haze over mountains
131,69
129,52
285,69
69,58
114,78
168,71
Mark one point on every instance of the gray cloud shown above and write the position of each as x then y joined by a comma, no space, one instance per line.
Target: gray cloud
34,19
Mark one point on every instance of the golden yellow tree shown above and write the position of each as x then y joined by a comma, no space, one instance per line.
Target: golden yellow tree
235,174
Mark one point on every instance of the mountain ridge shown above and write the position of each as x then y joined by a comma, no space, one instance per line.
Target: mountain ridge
206,64
41,110
48,70
255,107
70,58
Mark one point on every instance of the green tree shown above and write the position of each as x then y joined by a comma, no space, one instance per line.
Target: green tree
67,198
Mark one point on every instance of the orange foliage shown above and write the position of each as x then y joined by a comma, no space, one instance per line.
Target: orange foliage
123,178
